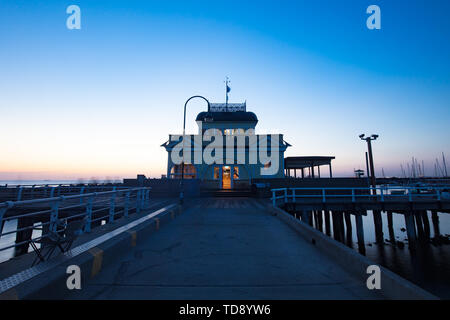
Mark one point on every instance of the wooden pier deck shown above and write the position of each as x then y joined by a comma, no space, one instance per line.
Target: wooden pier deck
230,248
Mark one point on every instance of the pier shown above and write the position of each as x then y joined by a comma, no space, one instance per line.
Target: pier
38,209
209,248
225,249
315,206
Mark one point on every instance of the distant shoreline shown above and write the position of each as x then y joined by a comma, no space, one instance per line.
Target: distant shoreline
51,181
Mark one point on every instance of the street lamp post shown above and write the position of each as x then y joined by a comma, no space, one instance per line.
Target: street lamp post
369,147
376,213
184,132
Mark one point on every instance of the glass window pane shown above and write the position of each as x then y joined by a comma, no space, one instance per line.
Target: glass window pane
216,173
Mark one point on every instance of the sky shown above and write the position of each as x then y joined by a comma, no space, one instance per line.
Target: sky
99,101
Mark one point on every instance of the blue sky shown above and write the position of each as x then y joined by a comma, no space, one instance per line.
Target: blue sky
99,101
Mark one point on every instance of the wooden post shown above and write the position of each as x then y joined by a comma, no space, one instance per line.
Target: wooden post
418,218
305,216
327,222
378,222
310,218
348,226
23,235
342,228
426,224
316,219
410,228
435,220
360,233
320,220
336,226
391,228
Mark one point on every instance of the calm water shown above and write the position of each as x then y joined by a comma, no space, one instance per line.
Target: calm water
428,265
50,182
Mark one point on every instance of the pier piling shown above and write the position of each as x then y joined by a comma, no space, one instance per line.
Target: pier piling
378,223
360,233
348,227
410,228
418,218
305,216
23,235
336,226
342,228
391,228
426,224
327,222
320,220
314,219
435,220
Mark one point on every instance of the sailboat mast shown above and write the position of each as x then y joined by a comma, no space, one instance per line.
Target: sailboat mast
423,168
445,164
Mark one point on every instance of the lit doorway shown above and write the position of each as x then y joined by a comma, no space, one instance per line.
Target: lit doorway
226,177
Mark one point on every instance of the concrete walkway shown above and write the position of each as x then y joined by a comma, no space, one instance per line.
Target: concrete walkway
224,249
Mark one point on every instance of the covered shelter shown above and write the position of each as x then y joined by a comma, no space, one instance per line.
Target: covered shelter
309,163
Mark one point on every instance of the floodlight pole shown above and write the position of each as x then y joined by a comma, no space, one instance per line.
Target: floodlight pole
367,169
373,181
184,132
372,170
378,222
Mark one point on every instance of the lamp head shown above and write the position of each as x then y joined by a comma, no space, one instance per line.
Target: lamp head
375,136
362,136
209,117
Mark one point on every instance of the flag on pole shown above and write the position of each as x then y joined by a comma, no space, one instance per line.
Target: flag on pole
228,89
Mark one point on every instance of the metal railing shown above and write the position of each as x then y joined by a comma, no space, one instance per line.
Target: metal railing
382,194
35,191
44,214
